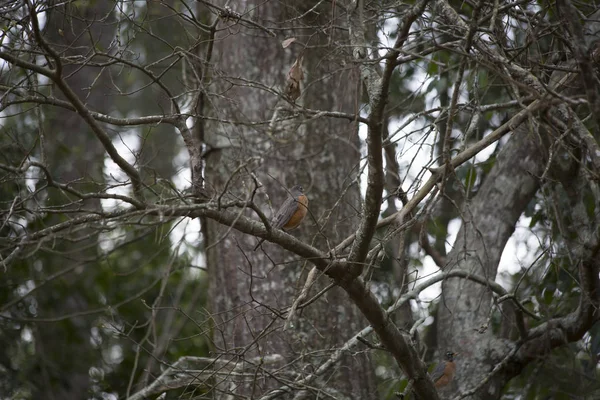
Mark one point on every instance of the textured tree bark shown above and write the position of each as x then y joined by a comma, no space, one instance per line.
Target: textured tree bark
322,155
488,222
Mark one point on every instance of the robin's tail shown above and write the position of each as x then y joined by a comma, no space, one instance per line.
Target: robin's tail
259,243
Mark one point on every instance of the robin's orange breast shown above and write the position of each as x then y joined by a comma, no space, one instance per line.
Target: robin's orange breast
447,376
299,214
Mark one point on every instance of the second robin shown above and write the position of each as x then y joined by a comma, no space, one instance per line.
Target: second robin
291,213
443,373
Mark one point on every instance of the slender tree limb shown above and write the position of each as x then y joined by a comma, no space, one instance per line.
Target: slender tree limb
146,120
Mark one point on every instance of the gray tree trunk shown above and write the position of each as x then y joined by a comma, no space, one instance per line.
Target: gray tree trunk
489,221
248,289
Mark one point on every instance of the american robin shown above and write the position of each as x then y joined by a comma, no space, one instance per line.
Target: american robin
291,213
444,371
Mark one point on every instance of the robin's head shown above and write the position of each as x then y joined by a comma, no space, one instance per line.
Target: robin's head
449,356
297,190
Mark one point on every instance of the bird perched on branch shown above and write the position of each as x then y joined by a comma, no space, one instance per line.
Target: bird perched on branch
443,373
291,213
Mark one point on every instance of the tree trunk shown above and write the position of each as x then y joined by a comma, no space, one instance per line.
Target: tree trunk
249,289
464,324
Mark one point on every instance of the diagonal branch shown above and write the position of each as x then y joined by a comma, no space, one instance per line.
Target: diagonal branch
377,90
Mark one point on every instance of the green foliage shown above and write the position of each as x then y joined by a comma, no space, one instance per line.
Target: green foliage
79,310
